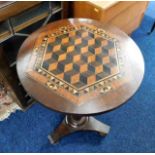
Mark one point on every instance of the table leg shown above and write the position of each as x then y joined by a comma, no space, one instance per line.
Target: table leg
152,28
72,123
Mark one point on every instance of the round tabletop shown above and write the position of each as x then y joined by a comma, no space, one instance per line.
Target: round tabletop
80,66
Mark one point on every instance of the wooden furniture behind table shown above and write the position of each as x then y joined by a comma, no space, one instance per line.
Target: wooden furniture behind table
8,81
126,15
17,21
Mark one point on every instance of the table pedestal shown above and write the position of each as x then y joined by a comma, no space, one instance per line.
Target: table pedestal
73,123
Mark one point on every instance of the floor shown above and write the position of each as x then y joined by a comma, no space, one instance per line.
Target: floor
133,124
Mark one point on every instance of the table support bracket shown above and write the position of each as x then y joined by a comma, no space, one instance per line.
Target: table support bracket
73,123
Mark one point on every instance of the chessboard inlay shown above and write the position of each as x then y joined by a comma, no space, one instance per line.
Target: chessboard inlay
80,58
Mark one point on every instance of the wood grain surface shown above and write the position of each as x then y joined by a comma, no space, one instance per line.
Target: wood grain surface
122,14
12,8
55,85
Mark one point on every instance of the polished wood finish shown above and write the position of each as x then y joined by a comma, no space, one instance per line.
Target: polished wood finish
121,13
9,9
65,11
5,3
16,19
113,91
71,124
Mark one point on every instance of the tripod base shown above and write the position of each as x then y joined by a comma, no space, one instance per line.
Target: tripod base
73,123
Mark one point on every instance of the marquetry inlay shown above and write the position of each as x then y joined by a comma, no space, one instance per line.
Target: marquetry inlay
80,59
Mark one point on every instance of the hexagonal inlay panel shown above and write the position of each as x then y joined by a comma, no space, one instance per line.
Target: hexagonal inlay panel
80,58
77,57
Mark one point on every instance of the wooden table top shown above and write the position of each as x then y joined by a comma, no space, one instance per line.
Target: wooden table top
80,66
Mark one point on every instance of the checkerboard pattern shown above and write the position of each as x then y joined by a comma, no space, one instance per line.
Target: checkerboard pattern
80,58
